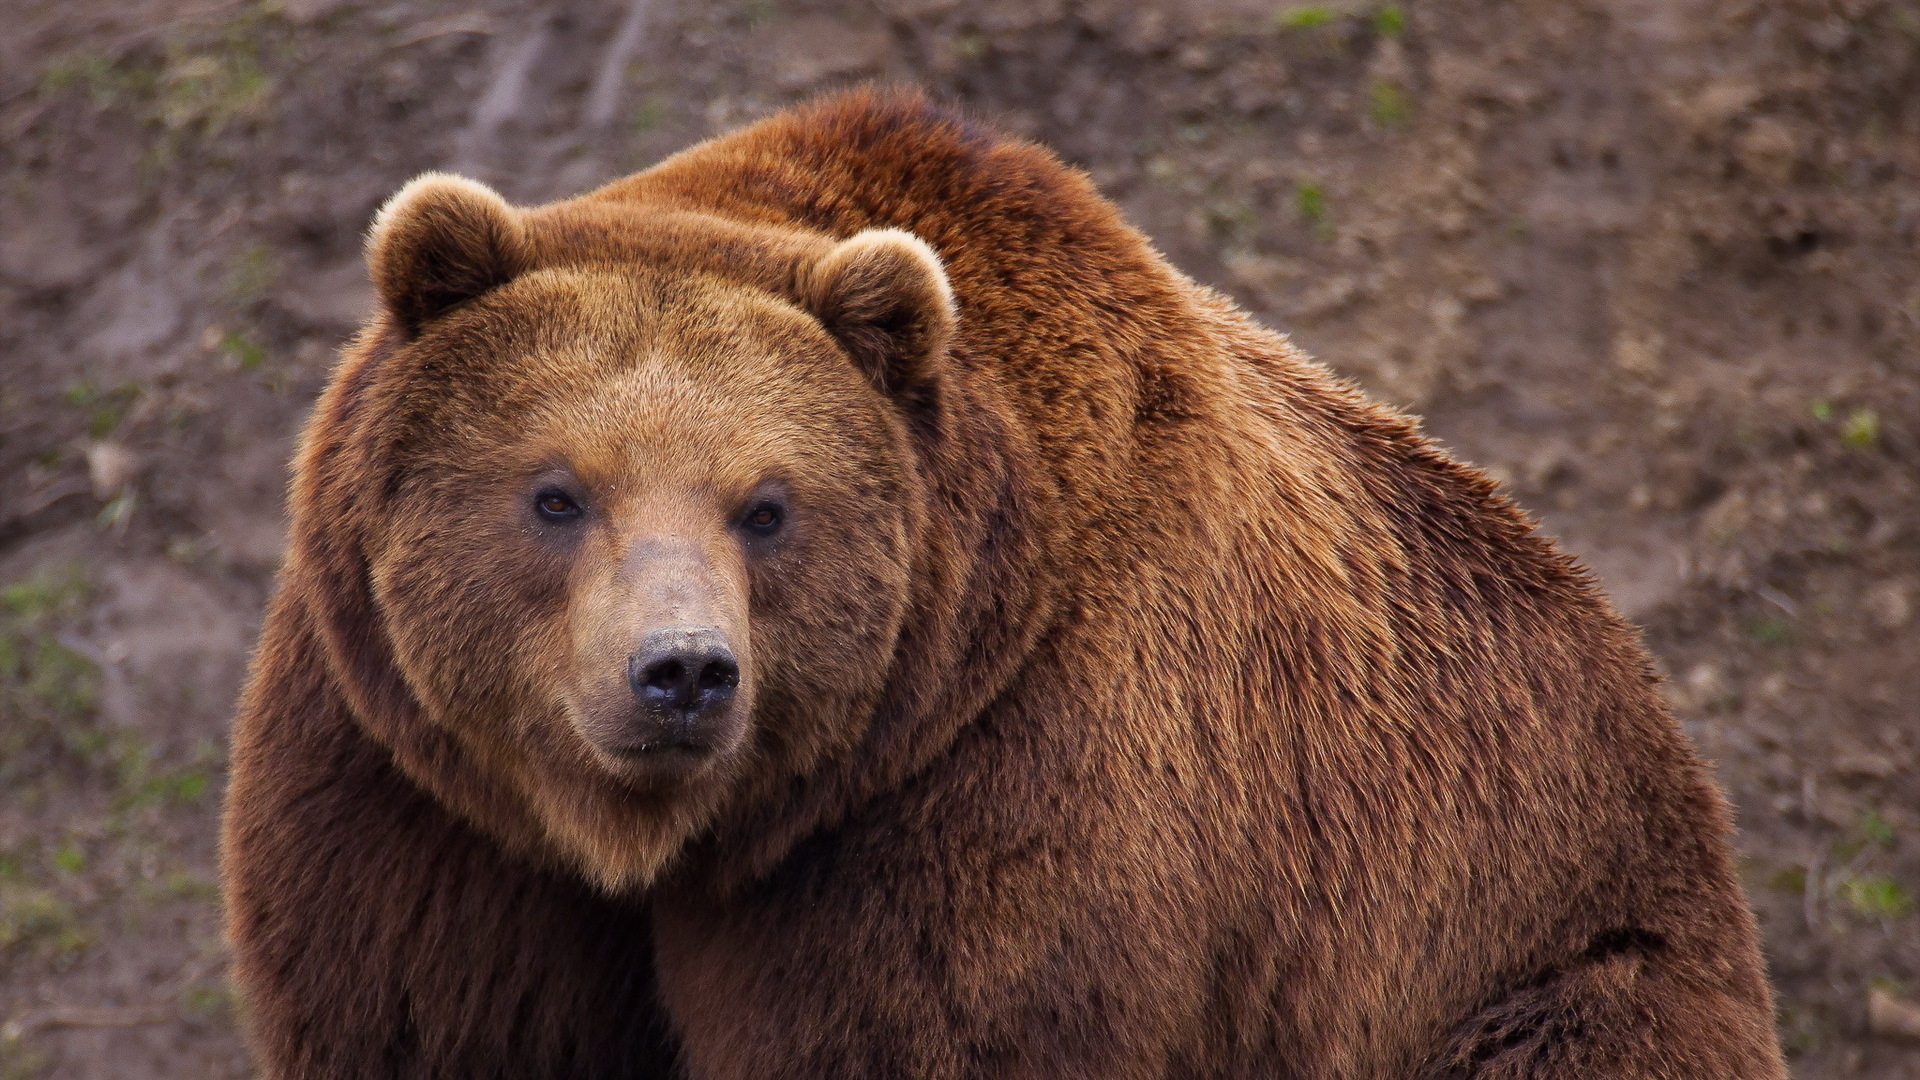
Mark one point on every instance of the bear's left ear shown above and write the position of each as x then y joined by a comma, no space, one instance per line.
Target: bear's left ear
440,241
883,295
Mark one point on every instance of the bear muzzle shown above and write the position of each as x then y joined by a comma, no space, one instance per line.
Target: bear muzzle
682,677
683,686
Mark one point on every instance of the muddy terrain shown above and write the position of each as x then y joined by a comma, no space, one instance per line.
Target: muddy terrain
1653,263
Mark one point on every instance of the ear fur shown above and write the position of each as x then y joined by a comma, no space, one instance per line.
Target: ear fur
440,241
884,296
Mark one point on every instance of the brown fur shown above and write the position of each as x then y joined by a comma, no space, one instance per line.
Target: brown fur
1129,697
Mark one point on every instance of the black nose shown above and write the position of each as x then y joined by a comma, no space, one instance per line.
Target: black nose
683,674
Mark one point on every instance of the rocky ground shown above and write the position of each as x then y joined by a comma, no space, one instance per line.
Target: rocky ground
1654,263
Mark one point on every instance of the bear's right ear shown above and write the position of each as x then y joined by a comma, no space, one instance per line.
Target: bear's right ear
440,241
883,295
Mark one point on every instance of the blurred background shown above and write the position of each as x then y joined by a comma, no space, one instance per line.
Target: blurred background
1653,263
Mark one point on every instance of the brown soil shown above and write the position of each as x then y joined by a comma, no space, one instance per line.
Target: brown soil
1652,262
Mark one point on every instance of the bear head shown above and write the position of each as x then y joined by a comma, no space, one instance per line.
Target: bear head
610,512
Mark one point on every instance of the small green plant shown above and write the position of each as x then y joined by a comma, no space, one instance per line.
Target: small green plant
1388,104
69,858
202,90
1304,17
57,592
1789,879
1389,21
1310,200
1232,221
649,114
36,917
1802,1032
103,408
209,1001
53,679
1877,896
1875,829
252,275
48,689
241,351
1770,631
1861,429
183,885
1872,830
189,87
1822,409
106,80
118,512
182,787
21,1062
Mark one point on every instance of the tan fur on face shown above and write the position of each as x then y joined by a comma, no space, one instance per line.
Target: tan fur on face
664,400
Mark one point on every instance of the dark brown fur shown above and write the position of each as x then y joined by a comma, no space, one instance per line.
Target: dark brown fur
1152,705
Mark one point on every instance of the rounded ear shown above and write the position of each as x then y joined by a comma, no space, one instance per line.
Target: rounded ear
883,295
440,241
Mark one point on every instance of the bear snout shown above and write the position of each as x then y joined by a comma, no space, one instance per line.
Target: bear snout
682,708
682,676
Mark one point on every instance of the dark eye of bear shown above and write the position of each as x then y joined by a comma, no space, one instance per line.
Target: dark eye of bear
554,505
763,519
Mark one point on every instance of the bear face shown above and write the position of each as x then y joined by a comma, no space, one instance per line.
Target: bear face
623,571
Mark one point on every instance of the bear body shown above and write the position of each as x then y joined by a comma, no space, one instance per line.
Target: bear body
838,604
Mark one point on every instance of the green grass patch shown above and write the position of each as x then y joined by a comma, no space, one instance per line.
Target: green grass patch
102,408
1390,21
181,787
188,87
648,115
1876,830
107,81
1861,429
1877,896
58,592
1310,202
1304,17
182,885
241,351
208,83
70,858
36,918
1771,631
49,691
118,511
1789,879
1388,104
208,1002
253,274
18,1061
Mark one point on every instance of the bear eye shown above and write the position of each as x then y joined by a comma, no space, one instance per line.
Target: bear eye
553,504
764,519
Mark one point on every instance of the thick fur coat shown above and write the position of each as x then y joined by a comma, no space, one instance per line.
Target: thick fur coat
1125,696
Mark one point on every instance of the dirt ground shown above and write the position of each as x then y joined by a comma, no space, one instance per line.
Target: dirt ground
1654,263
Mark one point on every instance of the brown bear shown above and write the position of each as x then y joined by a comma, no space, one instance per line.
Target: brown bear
839,604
